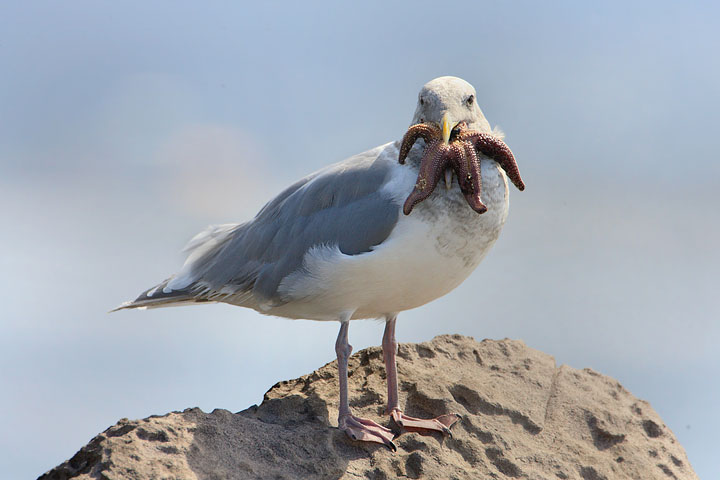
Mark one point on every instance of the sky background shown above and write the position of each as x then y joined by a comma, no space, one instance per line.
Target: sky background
127,127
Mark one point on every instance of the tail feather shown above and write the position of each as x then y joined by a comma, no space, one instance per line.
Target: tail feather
156,297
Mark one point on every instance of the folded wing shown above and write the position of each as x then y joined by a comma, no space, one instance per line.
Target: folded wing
343,205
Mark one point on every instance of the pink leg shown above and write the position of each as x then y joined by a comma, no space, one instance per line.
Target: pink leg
389,346
356,428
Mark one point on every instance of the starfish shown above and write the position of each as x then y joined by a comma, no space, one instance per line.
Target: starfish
460,155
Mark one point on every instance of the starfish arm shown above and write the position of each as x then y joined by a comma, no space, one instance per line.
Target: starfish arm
459,163
496,149
432,166
473,183
426,131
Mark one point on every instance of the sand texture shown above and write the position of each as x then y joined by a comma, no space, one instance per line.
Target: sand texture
522,417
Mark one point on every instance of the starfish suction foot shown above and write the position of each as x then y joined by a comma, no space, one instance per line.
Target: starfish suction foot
440,424
365,430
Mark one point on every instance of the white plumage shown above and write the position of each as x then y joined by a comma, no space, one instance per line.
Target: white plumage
337,246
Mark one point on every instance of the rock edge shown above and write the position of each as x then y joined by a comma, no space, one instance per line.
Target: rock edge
523,417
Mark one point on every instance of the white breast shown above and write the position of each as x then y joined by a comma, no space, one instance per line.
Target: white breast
429,253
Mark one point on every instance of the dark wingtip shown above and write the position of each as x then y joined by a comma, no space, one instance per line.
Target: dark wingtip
122,306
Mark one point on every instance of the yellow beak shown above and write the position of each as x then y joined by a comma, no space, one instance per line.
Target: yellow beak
446,128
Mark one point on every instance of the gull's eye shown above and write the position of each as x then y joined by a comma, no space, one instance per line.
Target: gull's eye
470,100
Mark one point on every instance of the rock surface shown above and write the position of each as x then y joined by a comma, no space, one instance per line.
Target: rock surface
523,417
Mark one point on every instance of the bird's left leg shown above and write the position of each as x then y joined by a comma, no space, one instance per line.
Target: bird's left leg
389,346
355,427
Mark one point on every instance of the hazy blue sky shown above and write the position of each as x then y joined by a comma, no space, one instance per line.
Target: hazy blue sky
125,128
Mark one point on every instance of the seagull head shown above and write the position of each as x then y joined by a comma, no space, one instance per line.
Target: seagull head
448,101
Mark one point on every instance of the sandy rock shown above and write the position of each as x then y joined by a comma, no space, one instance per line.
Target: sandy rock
523,417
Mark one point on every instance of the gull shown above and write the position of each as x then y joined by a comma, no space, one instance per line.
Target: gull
337,245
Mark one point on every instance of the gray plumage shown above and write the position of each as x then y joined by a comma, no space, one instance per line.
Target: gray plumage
340,205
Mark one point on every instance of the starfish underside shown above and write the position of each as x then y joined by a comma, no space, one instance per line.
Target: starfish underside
460,155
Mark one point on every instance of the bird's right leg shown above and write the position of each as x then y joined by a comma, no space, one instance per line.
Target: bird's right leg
389,346
355,427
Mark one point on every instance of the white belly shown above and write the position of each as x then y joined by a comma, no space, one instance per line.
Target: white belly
428,254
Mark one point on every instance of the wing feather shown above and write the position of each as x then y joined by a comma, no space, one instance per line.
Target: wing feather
342,205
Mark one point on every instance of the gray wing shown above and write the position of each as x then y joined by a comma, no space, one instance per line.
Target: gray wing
341,205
